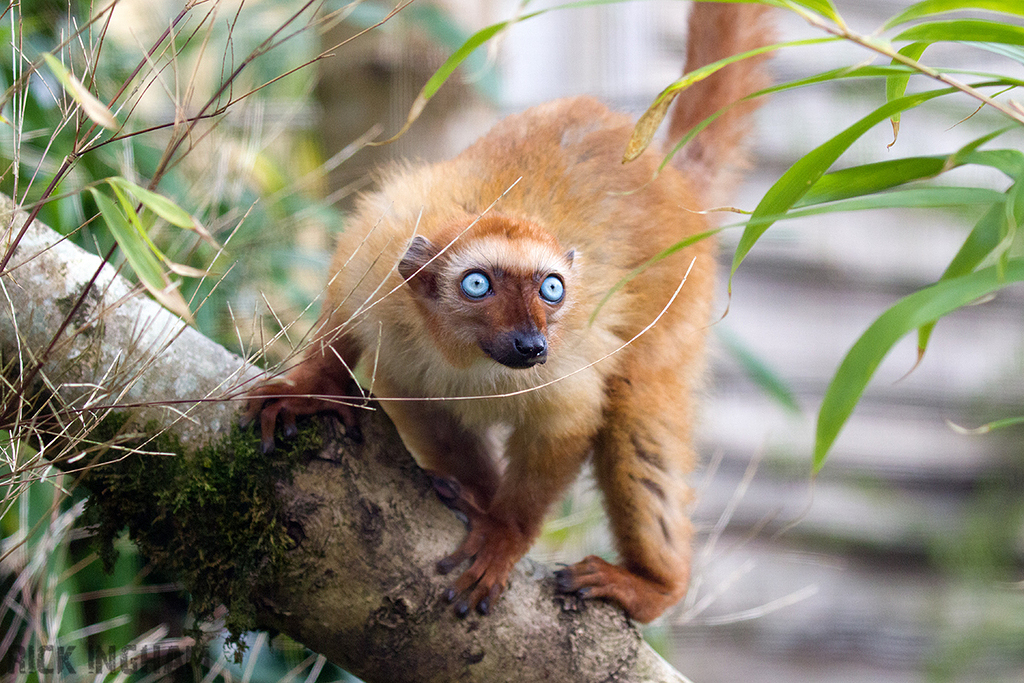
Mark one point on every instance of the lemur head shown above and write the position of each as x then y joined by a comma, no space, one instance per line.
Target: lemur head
499,288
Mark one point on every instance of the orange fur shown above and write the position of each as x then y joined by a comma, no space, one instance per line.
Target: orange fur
543,195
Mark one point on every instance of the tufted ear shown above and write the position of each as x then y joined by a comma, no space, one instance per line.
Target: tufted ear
418,269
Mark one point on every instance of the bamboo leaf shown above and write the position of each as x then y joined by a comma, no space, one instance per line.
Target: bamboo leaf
183,270
870,178
912,312
987,236
896,86
136,249
133,220
986,428
650,120
930,7
170,298
1009,51
453,62
91,107
823,7
910,198
802,175
981,241
1014,212
647,125
758,371
164,207
158,204
979,30
136,222
1009,161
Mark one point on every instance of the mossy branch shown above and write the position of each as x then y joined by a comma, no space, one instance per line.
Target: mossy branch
332,542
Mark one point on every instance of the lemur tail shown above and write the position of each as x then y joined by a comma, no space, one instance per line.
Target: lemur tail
717,153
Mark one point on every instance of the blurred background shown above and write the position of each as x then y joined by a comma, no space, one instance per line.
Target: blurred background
903,560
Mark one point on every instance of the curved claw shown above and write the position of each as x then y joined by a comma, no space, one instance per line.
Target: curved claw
301,392
643,599
492,545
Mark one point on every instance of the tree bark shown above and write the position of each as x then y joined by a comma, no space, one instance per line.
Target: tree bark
361,586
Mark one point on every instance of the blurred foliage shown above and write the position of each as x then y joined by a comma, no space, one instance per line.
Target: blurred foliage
247,168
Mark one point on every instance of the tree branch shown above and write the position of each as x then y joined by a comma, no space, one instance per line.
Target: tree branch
359,583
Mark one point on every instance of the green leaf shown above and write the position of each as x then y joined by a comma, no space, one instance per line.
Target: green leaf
802,175
157,203
648,123
989,234
978,30
823,7
912,312
1009,51
1009,161
896,86
870,178
981,241
989,427
163,207
758,371
910,198
91,107
930,7
133,219
134,247
139,252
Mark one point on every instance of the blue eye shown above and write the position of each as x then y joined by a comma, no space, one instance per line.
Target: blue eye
475,285
552,289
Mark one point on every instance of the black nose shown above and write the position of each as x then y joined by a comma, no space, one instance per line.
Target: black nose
517,349
531,347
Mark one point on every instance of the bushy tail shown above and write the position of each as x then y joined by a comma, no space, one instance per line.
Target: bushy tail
718,30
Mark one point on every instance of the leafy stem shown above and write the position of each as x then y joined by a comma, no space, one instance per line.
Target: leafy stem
839,29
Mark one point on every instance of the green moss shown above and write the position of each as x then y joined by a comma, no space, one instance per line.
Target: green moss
210,517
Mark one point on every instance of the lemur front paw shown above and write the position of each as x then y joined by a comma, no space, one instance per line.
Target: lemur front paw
643,599
294,395
493,546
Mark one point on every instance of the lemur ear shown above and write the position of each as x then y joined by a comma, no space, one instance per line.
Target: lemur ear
417,269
